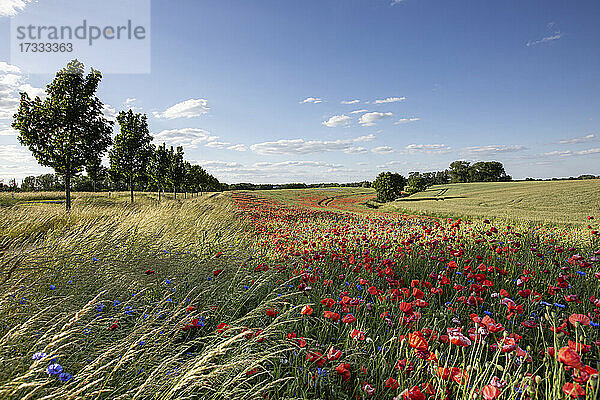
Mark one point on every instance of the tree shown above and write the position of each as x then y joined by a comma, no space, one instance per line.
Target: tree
132,151
176,171
459,171
418,182
28,184
95,171
159,167
389,186
68,127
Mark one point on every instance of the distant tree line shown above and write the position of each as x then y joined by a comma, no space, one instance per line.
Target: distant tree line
390,186
266,186
68,132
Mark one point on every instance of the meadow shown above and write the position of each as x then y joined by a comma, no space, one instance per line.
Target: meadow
300,294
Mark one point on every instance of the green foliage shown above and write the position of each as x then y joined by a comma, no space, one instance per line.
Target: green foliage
176,169
389,186
132,151
482,171
67,128
459,171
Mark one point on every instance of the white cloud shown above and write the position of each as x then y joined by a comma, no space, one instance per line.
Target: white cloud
382,150
406,120
8,132
33,92
337,120
583,139
217,145
492,149
427,148
5,67
10,8
394,2
238,147
567,153
391,164
355,150
129,100
314,100
110,113
186,137
358,111
390,100
12,81
550,38
369,119
301,146
186,109
365,138
350,101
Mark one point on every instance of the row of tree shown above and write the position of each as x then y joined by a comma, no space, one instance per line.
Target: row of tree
69,132
390,186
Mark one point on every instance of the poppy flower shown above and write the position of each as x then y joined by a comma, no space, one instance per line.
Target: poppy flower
331,315
329,302
306,310
573,389
490,392
579,318
333,354
579,347
217,272
113,326
316,357
413,393
149,272
344,371
569,357
391,384
222,327
417,342
271,312
348,319
357,335
190,308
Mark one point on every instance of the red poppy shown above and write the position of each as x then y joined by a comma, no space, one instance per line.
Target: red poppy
329,302
222,327
217,272
344,371
417,342
306,310
358,335
348,319
490,392
579,347
271,312
581,318
413,393
573,389
113,326
316,357
333,354
190,308
331,315
149,272
391,384
569,357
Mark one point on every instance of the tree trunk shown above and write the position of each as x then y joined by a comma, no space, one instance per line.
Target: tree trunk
175,192
94,186
159,189
131,188
68,190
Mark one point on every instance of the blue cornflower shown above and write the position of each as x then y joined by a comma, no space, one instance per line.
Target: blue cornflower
359,287
592,323
94,258
54,369
487,312
142,343
559,305
65,377
246,287
209,278
116,303
52,287
581,273
167,281
128,310
70,281
39,355
545,303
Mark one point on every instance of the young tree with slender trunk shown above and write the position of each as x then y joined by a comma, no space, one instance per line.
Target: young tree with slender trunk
159,168
68,127
132,151
176,169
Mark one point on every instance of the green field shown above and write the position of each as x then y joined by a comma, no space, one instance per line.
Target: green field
555,202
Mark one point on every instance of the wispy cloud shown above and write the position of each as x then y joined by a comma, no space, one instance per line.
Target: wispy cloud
550,38
358,111
186,109
350,101
567,153
186,137
337,120
382,150
475,151
314,100
301,146
428,148
389,100
406,120
582,139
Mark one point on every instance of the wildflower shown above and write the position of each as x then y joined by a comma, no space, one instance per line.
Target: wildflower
306,310
54,369
65,377
39,355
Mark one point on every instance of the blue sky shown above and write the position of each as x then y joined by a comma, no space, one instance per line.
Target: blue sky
254,89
